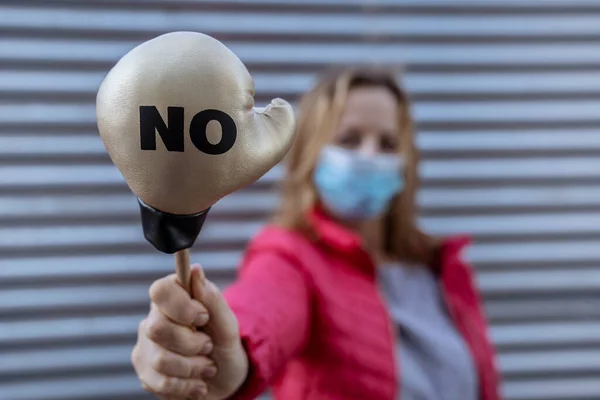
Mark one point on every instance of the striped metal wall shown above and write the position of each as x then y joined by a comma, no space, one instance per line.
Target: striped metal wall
507,99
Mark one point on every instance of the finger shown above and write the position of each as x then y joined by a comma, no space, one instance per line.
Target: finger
222,326
198,280
171,387
200,271
175,398
176,338
149,355
177,366
146,388
170,398
143,359
173,301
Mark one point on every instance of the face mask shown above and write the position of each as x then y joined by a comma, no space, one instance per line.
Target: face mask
356,186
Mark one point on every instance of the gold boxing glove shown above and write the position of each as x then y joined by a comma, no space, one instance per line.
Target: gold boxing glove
176,115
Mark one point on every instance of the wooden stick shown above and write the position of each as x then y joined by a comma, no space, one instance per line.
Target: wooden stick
182,268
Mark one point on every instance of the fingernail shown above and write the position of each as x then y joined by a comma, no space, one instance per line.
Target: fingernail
207,348
209,372
201,319
199,391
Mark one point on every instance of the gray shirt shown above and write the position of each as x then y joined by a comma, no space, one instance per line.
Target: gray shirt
433,360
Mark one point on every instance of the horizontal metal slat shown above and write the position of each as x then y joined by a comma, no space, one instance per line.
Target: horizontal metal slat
546,334
30,208
576,388
550,362
65,359
36,50
118,356
19,144
53,175
105,386
90,328
514,82
293,23
22,144
119,295
519,252
530,141
15,144
488,170
570,280
65,330
114,235
68,268
491,170
544,309
522,111
511,225
80,267
464,112
116,295
23,209
516,4
433,5
506,197
293,84
466,4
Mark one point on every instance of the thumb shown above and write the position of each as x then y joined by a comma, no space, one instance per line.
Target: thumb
279,110
222,325
277,125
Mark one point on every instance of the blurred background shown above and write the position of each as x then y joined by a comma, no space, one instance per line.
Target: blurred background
507,101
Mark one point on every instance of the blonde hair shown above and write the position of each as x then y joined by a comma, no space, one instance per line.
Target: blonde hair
319,113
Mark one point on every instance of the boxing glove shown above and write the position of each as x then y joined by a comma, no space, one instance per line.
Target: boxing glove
176,115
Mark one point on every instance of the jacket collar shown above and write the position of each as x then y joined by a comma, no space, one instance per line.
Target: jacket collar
331,233
341,239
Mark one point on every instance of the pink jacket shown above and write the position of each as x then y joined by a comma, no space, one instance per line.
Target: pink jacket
315,327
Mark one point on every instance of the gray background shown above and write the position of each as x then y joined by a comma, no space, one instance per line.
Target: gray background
507,100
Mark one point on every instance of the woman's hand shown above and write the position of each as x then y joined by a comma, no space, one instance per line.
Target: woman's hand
174,361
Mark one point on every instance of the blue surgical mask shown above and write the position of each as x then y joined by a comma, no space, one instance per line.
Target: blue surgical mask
356,186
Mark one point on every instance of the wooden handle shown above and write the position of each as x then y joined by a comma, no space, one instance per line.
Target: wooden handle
184,274
182,269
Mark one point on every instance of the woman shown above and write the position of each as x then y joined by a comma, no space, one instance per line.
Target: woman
343,297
